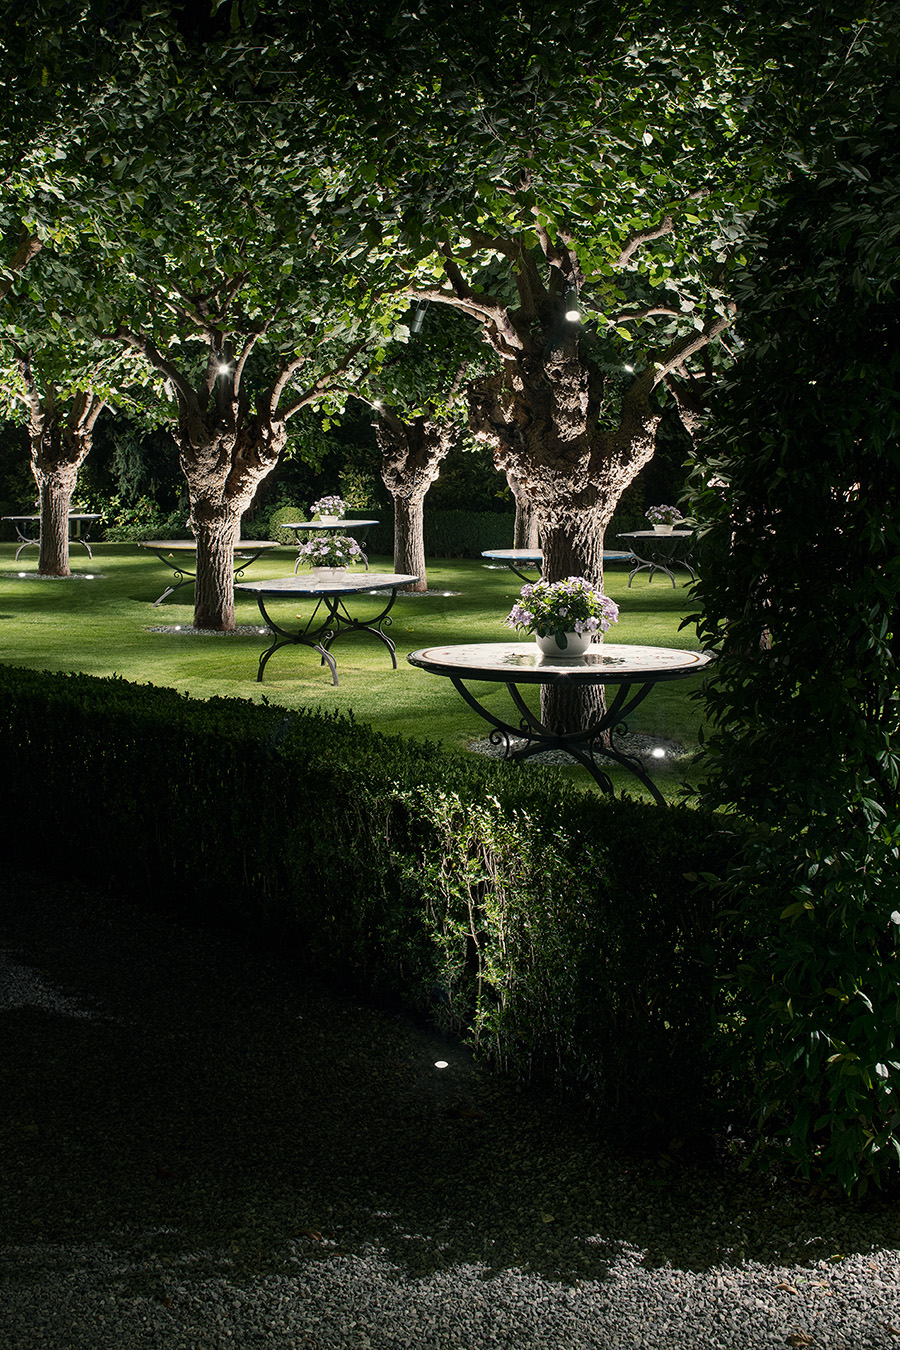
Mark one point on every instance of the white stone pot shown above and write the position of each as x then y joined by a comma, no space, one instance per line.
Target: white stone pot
325,575
327,520
663,529
576,644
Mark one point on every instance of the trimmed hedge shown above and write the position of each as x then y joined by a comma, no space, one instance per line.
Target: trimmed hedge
555,930
450,534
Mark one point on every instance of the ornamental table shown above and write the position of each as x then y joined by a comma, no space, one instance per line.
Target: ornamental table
660,552
245,553
321,629
81,523
356,528
634,670
534,557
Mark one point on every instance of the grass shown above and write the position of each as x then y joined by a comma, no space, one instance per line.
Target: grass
98,622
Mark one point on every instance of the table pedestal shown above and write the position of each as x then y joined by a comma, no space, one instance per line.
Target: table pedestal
659,553
336,622
582,746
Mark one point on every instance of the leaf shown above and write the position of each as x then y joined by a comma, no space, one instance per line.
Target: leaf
799,1338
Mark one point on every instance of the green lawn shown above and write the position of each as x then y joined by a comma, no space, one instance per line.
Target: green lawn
99,621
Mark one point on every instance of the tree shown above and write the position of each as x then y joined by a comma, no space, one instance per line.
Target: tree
797,493
420,412
60,379
260,360
578,186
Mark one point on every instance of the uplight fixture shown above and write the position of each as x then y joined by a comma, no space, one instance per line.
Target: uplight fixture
658,752
441,1064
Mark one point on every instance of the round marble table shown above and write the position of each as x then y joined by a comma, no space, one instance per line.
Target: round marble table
517,558
359,529
172,552
660,551
330,618
633,670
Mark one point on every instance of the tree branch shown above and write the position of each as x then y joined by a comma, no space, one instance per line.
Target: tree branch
638,238
325,381
148,349
28,248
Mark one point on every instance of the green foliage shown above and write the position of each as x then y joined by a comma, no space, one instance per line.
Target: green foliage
800,575
275,529
451,534
556,931
126,521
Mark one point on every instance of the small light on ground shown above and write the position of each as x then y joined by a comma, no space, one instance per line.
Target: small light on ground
659,753
23,574
441,1064
573,315
630,369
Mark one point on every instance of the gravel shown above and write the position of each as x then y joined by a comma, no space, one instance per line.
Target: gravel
203,1148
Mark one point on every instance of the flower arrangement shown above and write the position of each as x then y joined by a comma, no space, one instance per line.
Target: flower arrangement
327,506
335,550
663,515
555,608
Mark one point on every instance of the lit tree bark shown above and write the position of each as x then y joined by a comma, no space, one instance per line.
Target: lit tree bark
526,532
223,466
60,434
548,418
227,446
411,458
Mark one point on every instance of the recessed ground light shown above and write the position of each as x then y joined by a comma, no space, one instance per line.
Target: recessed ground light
441,1064
659,753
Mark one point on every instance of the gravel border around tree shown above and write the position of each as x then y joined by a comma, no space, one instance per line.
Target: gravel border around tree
205,1148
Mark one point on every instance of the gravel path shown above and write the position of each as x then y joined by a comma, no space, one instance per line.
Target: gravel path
201,1149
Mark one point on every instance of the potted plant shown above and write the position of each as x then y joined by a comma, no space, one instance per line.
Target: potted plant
330,555
328,510
564,616
663,518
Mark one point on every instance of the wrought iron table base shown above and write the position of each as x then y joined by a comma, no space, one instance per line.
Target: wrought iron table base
582,746
184,577
664,563
337,624
27,541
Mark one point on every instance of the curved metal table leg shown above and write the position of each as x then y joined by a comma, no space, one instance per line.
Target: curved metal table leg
582,746
344,622
306,638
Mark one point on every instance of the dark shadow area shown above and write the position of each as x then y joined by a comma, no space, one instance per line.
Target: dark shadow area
174,1097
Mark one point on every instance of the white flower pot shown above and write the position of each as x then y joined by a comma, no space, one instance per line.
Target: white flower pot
663,529
327,520
324,575
576,644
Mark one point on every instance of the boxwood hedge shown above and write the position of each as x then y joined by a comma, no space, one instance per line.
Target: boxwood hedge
555,930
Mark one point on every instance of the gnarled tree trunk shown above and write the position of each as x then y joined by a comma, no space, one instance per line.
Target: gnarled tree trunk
411,458
224,459
526,532
60,437
541,416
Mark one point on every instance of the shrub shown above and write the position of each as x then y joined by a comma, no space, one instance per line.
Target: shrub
554,930
274,525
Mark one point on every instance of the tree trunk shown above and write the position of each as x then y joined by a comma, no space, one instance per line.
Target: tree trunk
224,460
411,458
60,438
542,417
526,533
214,587
409,539
55,491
